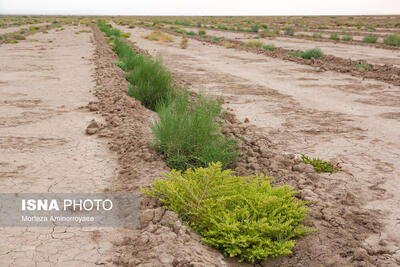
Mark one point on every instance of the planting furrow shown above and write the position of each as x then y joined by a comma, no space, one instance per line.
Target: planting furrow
360,68
161,239
277,99
316,37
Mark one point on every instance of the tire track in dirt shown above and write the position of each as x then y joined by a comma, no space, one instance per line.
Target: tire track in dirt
304,111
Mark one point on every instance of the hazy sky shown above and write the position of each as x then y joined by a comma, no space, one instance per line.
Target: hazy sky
201,7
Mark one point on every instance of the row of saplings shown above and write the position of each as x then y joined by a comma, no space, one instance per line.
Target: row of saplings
245,217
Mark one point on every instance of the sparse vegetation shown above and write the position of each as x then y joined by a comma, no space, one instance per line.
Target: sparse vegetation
334,36
347,38
184,43
228,44
245,217
17,36
202,32
370,39
159,36
392,39
198,140
269,47
316,35
254,43
364,66
32,28
320,165
289,31
308,54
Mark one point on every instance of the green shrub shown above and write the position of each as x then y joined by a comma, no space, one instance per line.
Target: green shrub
316,35
269,47
392,39
334,36
125,35
222,27
188,135
149,81
364,66
370,39
347,38
319,165
308,54
242,216
32,28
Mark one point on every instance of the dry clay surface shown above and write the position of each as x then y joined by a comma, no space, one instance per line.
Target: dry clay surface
372,55
43,145
337,117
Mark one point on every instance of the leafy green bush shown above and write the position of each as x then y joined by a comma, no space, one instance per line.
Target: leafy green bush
320,165
32,28
269,47
392,39
308,54
316,35
334,36
188,133
370,39
242,216
347,38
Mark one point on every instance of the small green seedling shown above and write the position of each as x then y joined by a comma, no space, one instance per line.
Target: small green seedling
320,165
